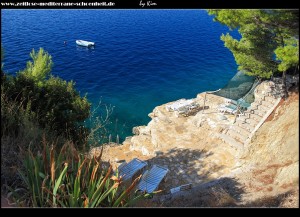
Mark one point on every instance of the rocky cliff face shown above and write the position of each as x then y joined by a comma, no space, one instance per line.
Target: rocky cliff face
191,147
272,162
268,173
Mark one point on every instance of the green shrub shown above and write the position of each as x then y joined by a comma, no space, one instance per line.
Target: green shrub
70,179
14,116
55,102
19,132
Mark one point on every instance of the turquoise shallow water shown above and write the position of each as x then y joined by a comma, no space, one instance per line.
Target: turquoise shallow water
142,58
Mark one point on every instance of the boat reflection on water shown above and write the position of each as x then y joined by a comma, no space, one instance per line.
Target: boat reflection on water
81,48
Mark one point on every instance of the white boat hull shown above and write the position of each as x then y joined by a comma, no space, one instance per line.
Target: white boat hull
85,43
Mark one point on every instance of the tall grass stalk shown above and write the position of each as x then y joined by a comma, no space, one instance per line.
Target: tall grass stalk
70,179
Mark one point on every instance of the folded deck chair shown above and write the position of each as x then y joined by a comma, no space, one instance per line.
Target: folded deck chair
241,102
230,101
127,171
179,104
232,109
152,178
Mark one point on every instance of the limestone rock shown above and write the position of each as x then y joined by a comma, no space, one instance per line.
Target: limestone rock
127,140
144,130
145,151
288,175
190,148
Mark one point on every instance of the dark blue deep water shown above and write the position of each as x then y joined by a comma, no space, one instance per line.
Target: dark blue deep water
142,58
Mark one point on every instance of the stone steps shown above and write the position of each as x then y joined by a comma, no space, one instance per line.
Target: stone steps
263,108
255,117
241,130
255,105
231,141
267,104
237,136
249,121
258,106
269,99
259,113
245,126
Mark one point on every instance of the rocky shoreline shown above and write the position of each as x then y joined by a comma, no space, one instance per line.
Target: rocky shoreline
191,146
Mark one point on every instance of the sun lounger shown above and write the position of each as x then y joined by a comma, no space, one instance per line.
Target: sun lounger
183,107
127,171
231,109
152,178
241,102
179,105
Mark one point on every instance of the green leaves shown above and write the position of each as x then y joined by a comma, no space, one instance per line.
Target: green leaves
288,55
265,36
41,66
81,182
58,183
55,102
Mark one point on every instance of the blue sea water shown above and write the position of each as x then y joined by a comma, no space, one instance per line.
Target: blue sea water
142,58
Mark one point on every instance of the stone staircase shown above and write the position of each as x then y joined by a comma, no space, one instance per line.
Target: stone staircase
240,133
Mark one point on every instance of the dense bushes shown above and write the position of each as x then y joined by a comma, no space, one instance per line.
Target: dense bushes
18,133
35,103
54,102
